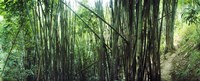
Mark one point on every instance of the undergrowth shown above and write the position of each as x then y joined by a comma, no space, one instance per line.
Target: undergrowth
186,65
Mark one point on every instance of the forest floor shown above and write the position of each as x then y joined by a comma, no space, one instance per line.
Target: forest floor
166,66
167,60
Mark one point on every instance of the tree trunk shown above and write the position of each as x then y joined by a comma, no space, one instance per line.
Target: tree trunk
170,12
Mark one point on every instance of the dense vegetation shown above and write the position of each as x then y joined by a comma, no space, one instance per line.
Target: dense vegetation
99,40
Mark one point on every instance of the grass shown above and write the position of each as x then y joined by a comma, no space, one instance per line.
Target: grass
186,65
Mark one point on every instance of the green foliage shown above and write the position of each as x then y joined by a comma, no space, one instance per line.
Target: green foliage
189,35
188,68
191,15
7,33
9,28
191,12
14,69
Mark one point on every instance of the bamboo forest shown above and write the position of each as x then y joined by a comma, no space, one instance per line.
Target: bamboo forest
99,40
